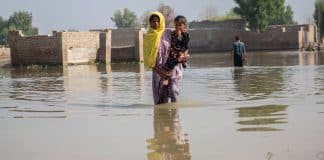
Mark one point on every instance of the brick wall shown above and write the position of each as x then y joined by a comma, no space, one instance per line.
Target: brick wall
123,54
221,40
127,45
33,49
123,37
236,24
61,48
291,28
79,47
311,33
308,30
104,54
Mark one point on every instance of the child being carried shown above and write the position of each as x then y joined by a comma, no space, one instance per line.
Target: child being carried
179,52
179,44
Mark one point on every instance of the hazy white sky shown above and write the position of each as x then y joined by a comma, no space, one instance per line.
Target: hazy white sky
84,15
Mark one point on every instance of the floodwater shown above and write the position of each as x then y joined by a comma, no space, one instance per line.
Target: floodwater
272,109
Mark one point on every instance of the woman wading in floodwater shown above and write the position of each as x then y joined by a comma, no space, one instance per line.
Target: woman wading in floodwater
157,43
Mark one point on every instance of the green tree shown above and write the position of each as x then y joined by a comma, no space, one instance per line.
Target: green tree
2,22
318,16
259,13
286,16
21,20
127,19
3,32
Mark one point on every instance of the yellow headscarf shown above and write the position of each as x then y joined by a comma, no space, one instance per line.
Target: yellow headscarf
152,41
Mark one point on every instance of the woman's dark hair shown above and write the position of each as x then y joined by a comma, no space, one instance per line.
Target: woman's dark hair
154,16
181,19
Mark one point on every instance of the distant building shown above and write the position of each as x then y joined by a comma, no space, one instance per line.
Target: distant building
236,24
307,31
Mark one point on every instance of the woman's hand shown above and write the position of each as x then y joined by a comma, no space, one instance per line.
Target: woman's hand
184,56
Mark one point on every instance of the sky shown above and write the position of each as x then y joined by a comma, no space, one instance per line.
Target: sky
95,14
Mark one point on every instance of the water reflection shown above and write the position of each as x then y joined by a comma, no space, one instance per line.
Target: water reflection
36,83
79,81
36,91
273,58
39,112
137,78
308,58
169,141
259,118
36,71
128,67
256,83
321,58
40,117
286,58
105,78
278,58
108,84
46,87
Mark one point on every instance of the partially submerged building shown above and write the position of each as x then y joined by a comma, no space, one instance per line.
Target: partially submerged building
219,36
307,33
120,45
63,48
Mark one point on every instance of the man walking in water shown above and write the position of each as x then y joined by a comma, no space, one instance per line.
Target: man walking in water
238,51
